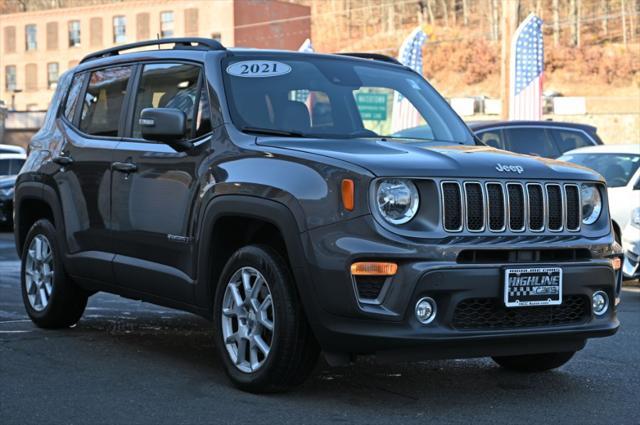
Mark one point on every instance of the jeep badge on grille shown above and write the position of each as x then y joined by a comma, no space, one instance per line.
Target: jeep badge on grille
509,168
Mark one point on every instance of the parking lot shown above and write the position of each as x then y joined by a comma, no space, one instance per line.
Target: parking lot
131,362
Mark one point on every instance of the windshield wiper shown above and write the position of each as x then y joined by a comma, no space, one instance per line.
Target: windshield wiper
271,132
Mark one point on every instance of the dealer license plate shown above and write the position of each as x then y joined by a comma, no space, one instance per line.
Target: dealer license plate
533,287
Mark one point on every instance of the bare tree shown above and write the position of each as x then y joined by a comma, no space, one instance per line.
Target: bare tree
574,20
556,23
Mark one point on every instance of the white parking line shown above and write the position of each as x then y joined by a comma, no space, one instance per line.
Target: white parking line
14,332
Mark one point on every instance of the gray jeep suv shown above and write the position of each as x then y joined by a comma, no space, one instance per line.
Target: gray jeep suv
264,191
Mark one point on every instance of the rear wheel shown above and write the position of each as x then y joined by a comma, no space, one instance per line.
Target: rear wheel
50,297
262,335
534,362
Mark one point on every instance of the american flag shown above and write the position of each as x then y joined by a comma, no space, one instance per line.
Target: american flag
404,113
527,68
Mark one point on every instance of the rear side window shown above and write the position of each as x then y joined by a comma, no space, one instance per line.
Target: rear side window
569,139
531,141
173,85
73,96
104,100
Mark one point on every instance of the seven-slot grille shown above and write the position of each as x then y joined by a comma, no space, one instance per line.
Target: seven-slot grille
494,206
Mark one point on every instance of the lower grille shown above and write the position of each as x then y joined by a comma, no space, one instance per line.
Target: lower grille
490,313
369,287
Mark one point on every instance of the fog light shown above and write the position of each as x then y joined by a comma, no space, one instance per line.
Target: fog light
425,310
599,303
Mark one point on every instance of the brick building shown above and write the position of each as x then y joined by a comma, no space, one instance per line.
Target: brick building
36,47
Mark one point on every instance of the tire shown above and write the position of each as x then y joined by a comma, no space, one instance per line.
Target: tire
62,303
530,363
292,348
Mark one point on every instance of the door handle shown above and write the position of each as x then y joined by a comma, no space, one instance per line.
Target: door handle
63,160
125,167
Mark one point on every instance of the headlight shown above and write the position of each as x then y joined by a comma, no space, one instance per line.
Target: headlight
6,192
397,200
591,203
635,218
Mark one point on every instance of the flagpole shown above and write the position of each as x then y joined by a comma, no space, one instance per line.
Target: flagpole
509,18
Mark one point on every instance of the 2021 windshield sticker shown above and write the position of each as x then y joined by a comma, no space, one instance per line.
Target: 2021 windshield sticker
258,69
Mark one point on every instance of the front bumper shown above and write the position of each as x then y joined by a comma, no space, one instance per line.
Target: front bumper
344,324
631,246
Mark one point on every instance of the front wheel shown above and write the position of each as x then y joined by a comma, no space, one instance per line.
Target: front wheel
262,334
534,362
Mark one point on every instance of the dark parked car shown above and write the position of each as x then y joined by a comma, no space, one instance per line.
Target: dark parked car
548,139
264,190
10,164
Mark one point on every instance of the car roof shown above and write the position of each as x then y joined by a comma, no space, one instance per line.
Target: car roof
12,156
629,148
481,125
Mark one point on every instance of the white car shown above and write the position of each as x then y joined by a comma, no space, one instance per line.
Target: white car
631,246
620,167
12,149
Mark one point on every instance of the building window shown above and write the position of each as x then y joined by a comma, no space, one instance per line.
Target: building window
52,35
31,37
142,26
74,33
53,71
166,24
95,32
10,78
119,29
191,21
9,39
31,77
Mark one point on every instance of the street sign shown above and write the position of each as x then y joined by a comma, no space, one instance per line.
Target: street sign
372,106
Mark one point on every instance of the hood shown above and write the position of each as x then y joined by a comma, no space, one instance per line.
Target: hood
435,159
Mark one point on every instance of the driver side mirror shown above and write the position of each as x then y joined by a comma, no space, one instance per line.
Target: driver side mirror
167,125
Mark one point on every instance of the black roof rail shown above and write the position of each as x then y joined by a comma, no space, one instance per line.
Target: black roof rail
373,56
179,43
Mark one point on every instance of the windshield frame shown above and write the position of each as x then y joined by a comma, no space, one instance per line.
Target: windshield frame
449,118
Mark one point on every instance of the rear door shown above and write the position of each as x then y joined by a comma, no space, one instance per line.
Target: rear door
155,186
92,124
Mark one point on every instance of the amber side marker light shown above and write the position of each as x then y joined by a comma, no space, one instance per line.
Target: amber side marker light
616,263
371,268
348,196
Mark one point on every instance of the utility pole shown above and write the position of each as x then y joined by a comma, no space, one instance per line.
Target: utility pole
509,24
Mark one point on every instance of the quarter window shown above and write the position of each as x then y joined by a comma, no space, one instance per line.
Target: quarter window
568,140
53,71
31,37
104,100
10,78
74,33
166,24
173,86
119,29
73,96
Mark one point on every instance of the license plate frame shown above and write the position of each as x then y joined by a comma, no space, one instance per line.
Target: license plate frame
532,286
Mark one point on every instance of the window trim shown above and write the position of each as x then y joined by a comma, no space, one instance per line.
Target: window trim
128,130
545,126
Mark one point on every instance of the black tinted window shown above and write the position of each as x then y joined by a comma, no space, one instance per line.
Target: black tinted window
73,96
568,139
16,165
173,86
5,167
104,100
531,141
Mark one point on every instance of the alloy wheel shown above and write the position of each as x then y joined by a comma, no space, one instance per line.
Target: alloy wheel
248,319
39,273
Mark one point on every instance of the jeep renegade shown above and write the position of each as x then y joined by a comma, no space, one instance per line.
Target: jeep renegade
266,191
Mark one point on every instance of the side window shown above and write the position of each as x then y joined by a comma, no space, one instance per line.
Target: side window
492,138
531,141
568,139
16,166
5,167
73,96
172,85
104,100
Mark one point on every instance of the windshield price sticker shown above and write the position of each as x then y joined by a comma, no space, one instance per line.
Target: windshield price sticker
258,69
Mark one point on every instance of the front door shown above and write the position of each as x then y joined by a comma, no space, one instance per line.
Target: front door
91,128
155,187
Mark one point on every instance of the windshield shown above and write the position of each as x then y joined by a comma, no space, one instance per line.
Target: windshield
303,95
616,168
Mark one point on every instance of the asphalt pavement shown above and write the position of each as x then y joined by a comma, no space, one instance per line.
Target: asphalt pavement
128,362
